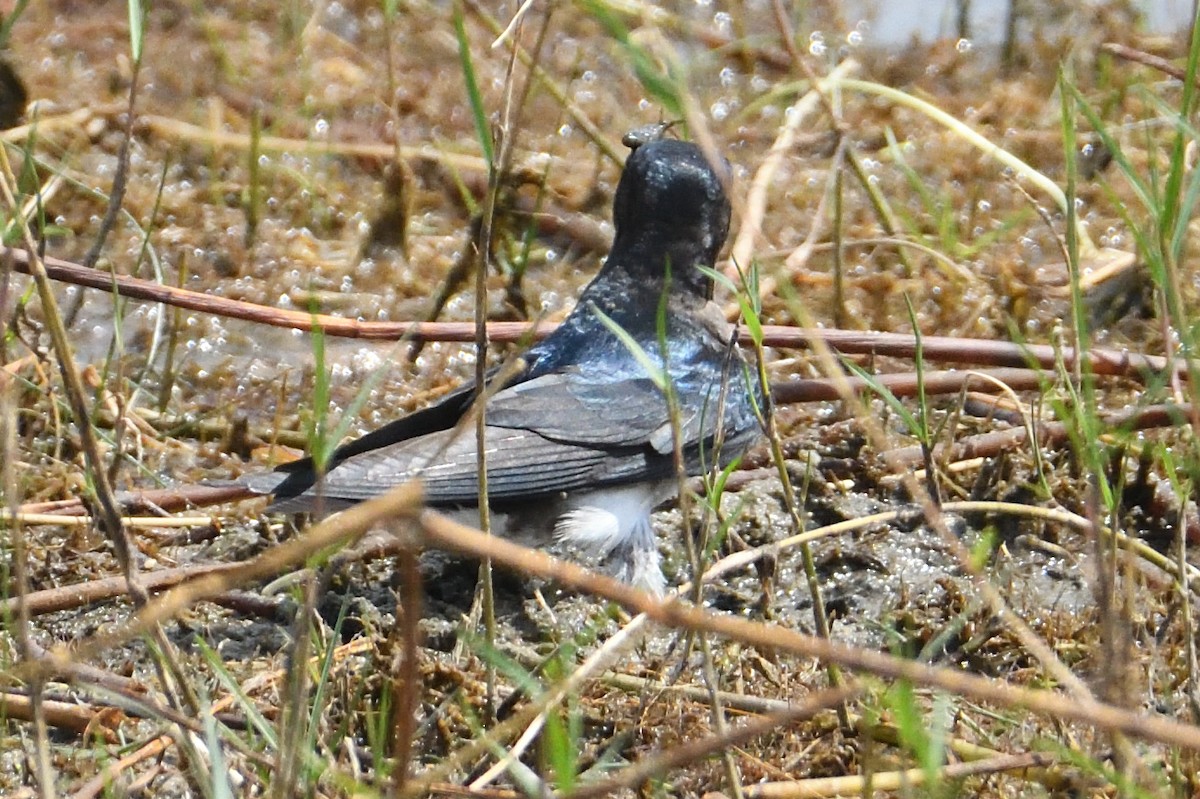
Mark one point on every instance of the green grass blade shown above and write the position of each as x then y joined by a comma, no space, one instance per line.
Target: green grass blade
137,29
478,111
662,87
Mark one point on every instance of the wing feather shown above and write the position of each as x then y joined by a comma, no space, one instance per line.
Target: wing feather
521,463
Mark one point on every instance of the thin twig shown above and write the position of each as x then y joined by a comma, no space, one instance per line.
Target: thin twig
979,352
1146,59
67,597
116,195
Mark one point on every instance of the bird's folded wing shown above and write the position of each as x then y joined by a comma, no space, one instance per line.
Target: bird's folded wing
557,432
520,463
442,415
629,412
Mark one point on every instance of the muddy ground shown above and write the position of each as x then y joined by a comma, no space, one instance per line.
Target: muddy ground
305,215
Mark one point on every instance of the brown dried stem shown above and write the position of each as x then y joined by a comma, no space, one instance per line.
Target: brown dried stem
981,352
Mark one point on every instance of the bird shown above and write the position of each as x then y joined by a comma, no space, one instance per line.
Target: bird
580,441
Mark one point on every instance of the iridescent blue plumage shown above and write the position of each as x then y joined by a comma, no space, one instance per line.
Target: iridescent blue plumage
582,433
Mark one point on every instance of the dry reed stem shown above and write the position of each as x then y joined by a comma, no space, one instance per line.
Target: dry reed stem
183,131
855,784
52,600
1144,58
65,520
979,352
78,718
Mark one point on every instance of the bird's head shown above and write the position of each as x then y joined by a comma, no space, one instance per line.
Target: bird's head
670,211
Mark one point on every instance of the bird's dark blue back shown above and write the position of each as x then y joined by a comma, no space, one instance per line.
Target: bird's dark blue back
582,388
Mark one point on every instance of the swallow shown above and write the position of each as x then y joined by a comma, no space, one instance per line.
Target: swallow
580,443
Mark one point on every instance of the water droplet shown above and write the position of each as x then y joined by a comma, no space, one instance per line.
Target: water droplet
963,45
816,43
